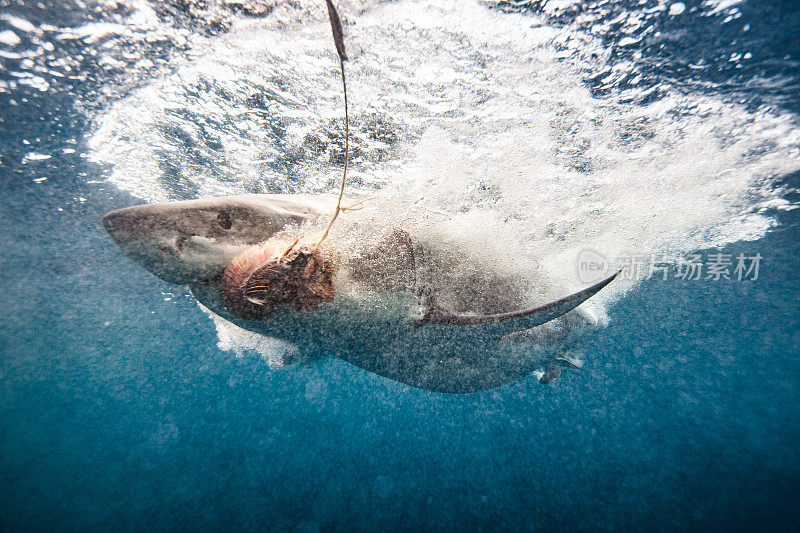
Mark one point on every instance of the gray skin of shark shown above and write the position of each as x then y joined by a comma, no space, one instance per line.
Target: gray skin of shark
384,321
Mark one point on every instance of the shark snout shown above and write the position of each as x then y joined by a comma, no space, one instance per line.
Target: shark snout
169,241
114,221
135,227
140,234
191,241
127,223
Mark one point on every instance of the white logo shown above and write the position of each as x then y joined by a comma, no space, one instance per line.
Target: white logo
592,265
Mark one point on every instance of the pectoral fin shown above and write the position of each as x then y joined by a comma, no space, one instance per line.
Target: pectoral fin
523,319
551,373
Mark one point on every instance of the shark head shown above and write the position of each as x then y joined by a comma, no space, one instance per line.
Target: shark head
193,241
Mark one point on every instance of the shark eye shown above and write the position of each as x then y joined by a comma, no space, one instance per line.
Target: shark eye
224,220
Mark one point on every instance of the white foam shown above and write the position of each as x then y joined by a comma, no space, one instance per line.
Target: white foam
718,6
502,148
93,31
33,156
677,8
9,38
19,23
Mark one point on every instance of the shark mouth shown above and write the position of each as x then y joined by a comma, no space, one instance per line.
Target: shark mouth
270,275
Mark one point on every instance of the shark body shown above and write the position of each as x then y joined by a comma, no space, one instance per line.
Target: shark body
402,308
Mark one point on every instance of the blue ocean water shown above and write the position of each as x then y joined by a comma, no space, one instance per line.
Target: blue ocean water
119,410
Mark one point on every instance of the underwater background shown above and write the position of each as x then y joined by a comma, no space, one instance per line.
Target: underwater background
644,127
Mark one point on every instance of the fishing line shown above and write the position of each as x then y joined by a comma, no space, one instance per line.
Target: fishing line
338,39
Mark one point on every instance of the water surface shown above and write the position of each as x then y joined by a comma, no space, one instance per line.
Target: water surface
663,128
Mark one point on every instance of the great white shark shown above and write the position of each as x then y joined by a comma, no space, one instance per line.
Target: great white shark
388,300
396,304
